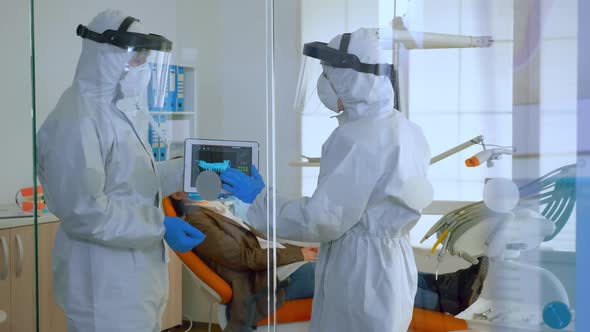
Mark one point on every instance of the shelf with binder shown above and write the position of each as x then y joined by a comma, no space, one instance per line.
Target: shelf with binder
176,115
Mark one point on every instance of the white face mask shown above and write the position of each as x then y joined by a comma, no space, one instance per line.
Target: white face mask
135,81
327,95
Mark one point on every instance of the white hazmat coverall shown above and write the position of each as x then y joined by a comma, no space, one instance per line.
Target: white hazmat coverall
101,181
366,276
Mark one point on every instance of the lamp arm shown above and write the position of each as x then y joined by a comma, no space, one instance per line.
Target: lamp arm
458,148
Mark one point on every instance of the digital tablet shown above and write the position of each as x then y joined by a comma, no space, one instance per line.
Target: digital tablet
217,156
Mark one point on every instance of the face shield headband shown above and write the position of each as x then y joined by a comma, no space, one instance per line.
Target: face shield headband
342,59
124,39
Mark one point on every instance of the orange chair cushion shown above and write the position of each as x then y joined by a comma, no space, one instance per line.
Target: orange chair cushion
422,320
291,312
206,275
434,321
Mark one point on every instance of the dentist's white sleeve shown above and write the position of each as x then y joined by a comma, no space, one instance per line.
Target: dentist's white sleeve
72,171
337,204
171,176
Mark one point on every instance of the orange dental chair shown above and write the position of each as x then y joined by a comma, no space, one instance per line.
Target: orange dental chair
293,316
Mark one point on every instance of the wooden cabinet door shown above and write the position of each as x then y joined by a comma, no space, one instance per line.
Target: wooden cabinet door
5,292
51,317
173,314
22,240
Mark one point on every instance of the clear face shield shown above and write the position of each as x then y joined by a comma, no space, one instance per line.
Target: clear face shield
144,87
145,79
315,91
307,100
146,72
144,83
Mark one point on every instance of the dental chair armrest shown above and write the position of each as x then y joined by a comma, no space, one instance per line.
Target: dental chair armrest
211,281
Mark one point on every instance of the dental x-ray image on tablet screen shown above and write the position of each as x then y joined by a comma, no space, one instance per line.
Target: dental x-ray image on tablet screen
217,156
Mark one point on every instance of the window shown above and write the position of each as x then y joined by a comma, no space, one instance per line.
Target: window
458,94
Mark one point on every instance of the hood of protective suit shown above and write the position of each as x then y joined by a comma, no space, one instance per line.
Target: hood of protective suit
101,66
362,94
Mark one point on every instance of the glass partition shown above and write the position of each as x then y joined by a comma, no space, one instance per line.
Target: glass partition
137,119
494,88
383,165
17,233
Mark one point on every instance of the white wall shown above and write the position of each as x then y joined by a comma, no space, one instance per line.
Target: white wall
287,45
15,92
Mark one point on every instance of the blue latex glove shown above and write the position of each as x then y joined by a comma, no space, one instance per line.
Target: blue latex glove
244,187
180,235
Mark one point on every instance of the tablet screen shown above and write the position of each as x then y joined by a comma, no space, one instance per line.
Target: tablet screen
217,157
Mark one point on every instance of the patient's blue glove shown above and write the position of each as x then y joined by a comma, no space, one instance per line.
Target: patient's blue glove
244,187
180,235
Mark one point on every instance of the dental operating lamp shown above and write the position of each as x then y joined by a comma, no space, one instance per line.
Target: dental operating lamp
457,149
397,35
428,40
485,156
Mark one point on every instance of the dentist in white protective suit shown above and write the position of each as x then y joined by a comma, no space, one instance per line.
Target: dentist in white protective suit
366,276
100,179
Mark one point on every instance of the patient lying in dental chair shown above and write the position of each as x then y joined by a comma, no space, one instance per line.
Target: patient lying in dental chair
238,254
